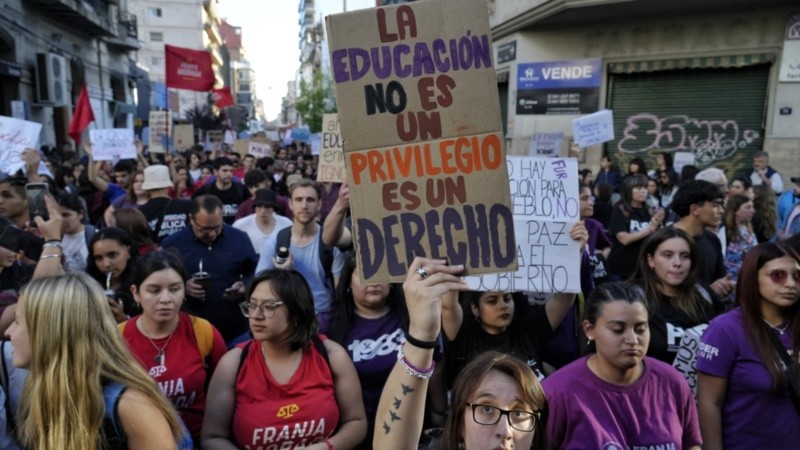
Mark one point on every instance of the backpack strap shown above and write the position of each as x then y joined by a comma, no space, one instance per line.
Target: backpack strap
284,238
315,340
326,259
10,422
242,356
204,335
112,392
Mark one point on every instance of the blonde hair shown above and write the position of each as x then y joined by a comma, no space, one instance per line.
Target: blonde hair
75,348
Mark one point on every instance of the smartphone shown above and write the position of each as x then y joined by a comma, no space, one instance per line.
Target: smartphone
36,204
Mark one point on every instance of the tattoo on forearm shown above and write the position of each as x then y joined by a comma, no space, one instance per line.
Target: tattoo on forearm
396,405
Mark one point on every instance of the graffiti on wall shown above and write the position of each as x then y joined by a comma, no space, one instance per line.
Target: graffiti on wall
708,140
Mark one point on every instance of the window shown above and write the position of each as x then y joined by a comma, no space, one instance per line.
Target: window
154,12
156,36
244,87
156,61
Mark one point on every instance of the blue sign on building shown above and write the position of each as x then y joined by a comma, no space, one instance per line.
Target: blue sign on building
559,87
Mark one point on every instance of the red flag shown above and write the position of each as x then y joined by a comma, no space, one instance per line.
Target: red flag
82,116
189,69
222,97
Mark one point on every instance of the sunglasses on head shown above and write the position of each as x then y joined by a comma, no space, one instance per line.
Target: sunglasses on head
780,276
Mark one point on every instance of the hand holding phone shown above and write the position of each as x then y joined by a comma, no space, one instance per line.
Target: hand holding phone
36,192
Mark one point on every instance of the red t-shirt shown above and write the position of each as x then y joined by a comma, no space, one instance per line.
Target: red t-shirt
183,377
296,414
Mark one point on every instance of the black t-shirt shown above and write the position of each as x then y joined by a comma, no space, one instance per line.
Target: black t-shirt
230,198
623,258
525,338
710,260
668,324
172,213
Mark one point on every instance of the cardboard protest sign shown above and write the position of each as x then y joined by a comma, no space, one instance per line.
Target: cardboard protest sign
15,136
259,147
112,144
546,144
593,129
160,131
419,110
183,136
214,135
331,159
544,194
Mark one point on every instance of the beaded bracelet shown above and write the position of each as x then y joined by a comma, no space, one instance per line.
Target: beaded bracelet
422,374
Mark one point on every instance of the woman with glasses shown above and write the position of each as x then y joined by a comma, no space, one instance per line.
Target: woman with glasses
743,385
178,350
287,387
497,400
617,397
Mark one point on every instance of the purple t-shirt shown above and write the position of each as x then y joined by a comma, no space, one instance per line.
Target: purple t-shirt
656,411
752,416
372,345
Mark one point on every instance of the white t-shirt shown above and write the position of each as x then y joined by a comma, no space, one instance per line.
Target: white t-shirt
76,250
257,237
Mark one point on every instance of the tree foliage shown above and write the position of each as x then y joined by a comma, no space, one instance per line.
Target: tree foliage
316,99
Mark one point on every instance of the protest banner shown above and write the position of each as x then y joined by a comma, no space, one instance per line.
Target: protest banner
160,131
112,144
331,159
593,129
15,136
183,136
546,144
419,111
544,195
259,147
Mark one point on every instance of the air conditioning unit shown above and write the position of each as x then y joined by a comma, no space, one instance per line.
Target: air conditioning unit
51,79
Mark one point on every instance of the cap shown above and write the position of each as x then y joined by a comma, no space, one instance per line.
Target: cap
265,197
156,177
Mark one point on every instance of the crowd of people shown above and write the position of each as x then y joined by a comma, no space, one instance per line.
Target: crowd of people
207,299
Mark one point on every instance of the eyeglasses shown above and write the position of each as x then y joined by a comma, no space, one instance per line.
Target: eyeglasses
266,309
780,276
489,415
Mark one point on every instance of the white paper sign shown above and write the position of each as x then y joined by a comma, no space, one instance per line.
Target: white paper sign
15,136
544,198
593,129
259,149
680,159
160,131
112,144
546,144
790,62
315,141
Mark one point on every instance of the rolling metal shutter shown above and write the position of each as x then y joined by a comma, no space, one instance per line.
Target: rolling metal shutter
711,107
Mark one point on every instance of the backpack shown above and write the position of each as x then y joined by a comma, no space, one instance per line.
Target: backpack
204,335
284,238
114,434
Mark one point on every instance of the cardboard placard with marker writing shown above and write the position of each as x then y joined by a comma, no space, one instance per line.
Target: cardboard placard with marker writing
420,115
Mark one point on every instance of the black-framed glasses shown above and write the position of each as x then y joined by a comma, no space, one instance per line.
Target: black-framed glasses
780,276
489,415
266,309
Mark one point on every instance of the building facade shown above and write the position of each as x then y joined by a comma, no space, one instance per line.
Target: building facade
50,49
706,80
192,24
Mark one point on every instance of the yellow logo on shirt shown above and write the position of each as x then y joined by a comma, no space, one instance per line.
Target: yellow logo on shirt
288,411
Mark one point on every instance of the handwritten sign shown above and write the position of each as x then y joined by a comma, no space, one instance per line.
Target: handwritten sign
112,144
331,159
418,108
544,194
15,136
183,136
259,148
546,144
160,130
594,129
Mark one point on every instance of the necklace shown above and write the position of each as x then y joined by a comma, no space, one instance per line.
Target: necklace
160,357
295,363
780,330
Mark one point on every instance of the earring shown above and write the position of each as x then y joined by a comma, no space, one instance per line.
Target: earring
461,445
589,340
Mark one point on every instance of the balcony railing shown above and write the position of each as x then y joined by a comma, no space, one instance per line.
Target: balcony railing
96,17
